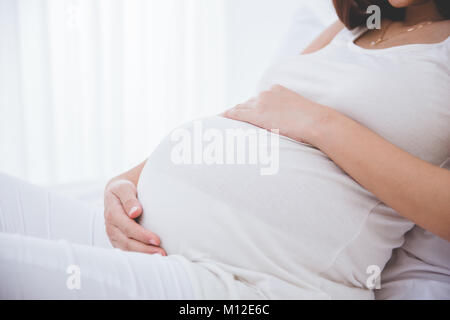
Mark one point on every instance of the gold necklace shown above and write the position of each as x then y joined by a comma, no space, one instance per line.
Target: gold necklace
410,29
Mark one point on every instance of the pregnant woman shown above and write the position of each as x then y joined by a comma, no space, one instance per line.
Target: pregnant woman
363,117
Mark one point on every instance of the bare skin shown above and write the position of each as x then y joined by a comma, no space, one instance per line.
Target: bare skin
414,188
397,35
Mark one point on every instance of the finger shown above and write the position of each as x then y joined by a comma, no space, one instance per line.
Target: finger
111,199
245,106
134,230
127,194
277,88
122,242
237,109
135,208
237,113
136,246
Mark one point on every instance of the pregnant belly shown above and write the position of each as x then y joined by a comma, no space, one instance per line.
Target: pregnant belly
300,216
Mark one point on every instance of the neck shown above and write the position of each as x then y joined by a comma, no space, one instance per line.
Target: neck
424,11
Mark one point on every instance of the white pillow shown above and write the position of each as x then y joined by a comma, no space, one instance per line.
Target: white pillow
420,269
310,20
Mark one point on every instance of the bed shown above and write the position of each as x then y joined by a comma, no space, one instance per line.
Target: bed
418,270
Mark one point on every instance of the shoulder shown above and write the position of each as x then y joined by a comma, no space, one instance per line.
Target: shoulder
443,29
443,26
437,32
325,37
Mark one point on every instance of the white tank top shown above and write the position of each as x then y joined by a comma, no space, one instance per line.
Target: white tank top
401,93
309,231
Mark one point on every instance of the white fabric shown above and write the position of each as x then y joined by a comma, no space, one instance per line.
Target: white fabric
254,30
87,87
418,270
310,231
308,22
43,234
430,277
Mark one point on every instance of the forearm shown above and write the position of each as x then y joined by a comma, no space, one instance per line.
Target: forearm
130,175
414,188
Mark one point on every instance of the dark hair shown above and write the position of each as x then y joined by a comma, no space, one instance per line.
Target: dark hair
353,12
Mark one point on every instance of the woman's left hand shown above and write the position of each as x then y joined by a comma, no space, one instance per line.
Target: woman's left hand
280,108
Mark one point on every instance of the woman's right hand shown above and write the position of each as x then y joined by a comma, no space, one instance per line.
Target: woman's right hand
121,208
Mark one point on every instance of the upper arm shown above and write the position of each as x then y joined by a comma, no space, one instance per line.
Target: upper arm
325,37
135,173
131,175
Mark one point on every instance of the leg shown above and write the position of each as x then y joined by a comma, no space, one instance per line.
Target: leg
34,211
33,268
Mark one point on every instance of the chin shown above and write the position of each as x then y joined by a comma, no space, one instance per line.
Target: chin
406,3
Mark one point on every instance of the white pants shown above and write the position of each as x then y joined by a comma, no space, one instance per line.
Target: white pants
56,248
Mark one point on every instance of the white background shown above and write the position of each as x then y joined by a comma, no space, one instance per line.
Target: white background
89,87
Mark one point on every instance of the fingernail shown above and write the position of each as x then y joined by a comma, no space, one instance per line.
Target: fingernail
133,210
153,242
